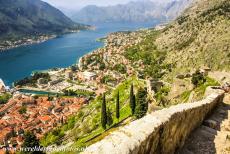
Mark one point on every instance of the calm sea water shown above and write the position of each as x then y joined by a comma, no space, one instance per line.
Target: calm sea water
63,51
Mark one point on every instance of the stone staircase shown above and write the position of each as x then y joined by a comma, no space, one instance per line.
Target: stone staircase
213,136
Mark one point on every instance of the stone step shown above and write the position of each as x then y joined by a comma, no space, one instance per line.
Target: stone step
211,123
218,119
210,130
206,135
222,112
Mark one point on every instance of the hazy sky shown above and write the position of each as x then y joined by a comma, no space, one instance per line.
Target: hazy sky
76,4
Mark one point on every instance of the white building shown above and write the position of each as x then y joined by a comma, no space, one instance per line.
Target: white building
89,75
69,74
2,86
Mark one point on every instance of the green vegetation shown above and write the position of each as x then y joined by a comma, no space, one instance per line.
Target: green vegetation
118,106
120,68
84,128
149,55
109,117
78,93
182,19
22,110
197,93
132,100
198,78
187,42
103,113
103,39
200,90
182,40
219,10
30,141
94,60
30,25
107,78
184,97
161,96
33,79
55,136
4,98
142,103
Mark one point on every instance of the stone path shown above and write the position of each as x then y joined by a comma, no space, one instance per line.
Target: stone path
213,136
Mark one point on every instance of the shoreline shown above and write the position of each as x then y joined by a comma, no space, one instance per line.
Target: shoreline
25,42
78,61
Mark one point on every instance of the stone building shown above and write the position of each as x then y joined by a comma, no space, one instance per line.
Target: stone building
153,86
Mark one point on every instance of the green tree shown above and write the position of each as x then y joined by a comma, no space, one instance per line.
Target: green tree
31,141
118,106
109,117
142,103
103,113
50,98
22,110
4,98
198,78
132,100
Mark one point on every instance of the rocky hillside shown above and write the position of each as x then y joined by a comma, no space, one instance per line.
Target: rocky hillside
200,37
31,17
138,11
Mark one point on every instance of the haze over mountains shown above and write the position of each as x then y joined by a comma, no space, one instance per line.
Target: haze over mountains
31,17
138,11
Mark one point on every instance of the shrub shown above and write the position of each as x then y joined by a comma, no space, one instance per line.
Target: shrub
198,78
22,110
4,98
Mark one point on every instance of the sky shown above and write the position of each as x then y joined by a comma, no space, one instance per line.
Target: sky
77,4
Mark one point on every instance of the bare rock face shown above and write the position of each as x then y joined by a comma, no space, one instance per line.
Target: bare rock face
163,131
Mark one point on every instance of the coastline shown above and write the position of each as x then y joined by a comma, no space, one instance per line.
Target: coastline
78,61
25,41
30,40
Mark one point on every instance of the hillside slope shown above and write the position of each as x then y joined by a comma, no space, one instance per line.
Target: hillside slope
200,37
30,17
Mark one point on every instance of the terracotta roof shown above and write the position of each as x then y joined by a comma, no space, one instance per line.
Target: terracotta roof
44,118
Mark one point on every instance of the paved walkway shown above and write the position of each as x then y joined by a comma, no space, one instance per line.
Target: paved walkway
213,136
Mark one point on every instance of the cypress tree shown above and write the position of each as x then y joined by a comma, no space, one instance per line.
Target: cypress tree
109,117
103,113
30,141
142,104
118,106
132,100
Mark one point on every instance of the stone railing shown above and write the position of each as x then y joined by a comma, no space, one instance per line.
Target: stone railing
161,132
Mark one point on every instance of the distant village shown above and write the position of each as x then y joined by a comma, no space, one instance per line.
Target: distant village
9,44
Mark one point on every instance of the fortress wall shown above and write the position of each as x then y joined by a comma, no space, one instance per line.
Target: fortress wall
161,132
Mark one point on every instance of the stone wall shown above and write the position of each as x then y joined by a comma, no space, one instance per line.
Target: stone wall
161,132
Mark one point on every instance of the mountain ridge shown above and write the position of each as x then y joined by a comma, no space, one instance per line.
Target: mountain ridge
31,17
139,11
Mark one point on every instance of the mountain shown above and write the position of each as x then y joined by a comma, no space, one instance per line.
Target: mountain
31,17
199,37
138,11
